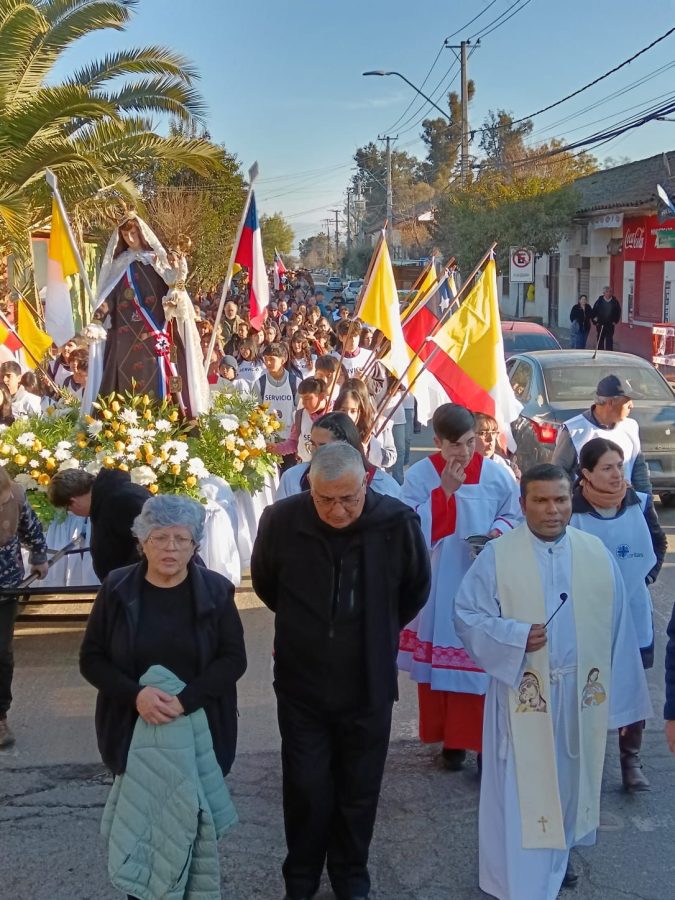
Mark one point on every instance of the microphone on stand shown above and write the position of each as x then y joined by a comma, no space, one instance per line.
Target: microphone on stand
563,600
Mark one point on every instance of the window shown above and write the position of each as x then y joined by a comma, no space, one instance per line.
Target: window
521,381
578,383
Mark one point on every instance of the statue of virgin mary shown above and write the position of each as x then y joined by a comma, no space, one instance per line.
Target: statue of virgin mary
151,343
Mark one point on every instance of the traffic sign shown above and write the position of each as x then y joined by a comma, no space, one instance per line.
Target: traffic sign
521,269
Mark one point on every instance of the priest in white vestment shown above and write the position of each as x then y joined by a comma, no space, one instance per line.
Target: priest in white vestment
553,691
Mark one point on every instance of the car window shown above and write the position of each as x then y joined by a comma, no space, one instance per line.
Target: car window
521,380
524,341
578,383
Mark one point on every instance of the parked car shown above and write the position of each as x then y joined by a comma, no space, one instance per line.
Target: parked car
555,385
523,337
334,283
351,290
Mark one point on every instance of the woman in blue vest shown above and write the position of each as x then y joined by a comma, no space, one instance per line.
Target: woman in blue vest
604,504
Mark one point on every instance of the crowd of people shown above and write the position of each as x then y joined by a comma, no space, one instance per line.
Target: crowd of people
500,593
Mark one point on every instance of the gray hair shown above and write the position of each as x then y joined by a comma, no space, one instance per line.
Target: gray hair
332,461
167,510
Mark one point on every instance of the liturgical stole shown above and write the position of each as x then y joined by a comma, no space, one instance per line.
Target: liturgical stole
521,595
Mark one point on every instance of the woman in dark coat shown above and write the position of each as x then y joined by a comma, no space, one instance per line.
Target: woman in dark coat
580,317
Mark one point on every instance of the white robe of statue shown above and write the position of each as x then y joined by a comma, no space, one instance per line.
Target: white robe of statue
506,870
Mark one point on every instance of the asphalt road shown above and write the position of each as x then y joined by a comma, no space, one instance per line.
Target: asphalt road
53,787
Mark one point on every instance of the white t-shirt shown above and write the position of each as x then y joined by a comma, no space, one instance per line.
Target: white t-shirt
250,370
280,399
354,365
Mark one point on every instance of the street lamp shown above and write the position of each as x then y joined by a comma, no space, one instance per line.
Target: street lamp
414,87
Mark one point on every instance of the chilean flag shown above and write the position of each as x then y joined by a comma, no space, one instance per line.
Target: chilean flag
250,254
279,269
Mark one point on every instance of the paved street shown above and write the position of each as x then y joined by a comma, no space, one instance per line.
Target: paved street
52,789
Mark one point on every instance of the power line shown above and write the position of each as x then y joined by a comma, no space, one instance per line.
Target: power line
426,78
471,21
497,23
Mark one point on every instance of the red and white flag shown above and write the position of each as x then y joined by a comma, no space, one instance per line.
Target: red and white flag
250,254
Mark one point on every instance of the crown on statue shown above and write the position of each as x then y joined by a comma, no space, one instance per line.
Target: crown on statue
125,214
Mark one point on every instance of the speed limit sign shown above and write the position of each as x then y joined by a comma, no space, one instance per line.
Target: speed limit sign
521,268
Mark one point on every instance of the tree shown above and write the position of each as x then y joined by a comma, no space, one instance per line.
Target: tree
315,251
443,139
277,234
502,142
409,186
94,127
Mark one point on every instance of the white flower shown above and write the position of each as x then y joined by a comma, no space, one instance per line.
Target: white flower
30,484
34,464
238,465
259,442
94,467
129,416
45,454
228,423
27,439
197,468
95,428
64,445
69,464
143,475
163,425
61,453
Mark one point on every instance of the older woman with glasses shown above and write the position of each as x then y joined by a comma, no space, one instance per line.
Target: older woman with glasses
164,646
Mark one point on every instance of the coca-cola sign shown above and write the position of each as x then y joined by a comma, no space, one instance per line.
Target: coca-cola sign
634,239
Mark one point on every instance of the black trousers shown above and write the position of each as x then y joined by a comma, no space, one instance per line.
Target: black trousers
605,337
8,611
332,764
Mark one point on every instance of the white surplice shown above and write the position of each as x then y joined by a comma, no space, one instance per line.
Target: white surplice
506,870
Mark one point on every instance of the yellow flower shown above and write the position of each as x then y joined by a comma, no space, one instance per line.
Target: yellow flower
173,416
244,454
115,406
153,488
119,446
97,448
37,446
20,459
229,444
264,406
123,428
175,469
115,426
43,479
5,449
191,481
107,415
124,467
148,415
108,462
89,419
81,436
107,433
137,454
147,449
34,473
145,400
50,463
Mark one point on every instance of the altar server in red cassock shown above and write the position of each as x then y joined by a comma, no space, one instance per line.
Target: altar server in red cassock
457,494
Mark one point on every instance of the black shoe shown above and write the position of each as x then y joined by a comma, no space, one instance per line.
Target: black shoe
453,760
571,875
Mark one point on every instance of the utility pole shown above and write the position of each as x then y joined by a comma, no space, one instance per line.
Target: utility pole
326,222
349,220
464,170
464,81
337,238
390,193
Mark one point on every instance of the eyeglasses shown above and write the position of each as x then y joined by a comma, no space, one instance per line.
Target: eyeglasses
488,434
163,540
350,502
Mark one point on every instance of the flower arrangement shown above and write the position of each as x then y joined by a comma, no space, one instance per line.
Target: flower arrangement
145,437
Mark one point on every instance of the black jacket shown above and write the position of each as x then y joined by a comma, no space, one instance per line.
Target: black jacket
606,312
669,710
115,503
658,535
582,316
107,661
297,567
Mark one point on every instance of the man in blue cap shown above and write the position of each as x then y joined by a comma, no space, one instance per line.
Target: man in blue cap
608,417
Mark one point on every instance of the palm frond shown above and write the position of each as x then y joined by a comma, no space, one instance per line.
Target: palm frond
13,210
20,23
165,94
151,60
49,109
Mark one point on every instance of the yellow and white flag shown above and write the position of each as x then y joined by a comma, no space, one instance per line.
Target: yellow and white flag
380,308
60,266
35,341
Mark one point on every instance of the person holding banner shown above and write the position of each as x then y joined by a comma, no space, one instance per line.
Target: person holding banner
152,345
457,494
544,611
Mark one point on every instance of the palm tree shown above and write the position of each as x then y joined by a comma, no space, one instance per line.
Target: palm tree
94,128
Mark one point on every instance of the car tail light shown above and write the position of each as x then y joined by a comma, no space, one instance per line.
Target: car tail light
545,432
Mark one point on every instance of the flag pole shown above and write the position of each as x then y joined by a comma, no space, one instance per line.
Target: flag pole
252,175
357,309
53,183
439,325
38,364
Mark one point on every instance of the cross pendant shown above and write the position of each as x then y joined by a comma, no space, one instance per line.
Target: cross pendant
543,822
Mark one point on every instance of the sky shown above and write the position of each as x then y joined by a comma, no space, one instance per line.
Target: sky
282,79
